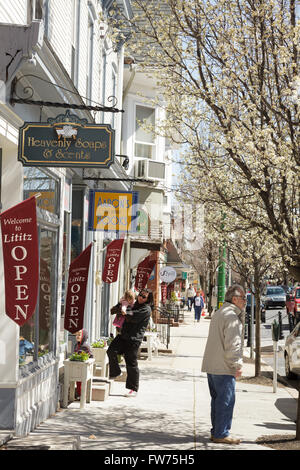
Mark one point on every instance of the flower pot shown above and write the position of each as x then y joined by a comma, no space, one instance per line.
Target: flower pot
99,354
101,360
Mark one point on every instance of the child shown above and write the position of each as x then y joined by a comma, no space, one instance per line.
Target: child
82,345
126,301
198,305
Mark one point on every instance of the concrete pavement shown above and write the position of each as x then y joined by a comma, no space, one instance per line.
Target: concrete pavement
172,409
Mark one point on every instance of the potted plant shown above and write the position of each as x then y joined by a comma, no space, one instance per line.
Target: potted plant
79,356
100,343
77,364
99,349
78,368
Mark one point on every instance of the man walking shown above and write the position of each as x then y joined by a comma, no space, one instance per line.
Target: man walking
190,294
222,360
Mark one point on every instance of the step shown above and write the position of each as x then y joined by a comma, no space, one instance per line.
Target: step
100,391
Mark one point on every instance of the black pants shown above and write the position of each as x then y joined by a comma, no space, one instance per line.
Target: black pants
130,351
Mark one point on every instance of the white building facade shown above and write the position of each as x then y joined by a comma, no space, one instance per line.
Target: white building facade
150,166
54,52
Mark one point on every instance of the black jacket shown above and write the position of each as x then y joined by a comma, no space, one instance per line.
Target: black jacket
135,325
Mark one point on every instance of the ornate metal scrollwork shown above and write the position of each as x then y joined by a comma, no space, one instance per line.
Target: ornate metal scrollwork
28,93
113,99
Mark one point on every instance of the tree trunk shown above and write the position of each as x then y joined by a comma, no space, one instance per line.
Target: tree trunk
257,323
210,291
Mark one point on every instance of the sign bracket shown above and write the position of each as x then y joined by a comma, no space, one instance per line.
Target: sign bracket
28,93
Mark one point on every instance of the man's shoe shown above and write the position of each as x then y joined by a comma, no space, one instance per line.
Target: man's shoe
226,440
131,393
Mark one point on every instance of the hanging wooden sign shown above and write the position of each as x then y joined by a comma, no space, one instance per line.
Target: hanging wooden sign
66,141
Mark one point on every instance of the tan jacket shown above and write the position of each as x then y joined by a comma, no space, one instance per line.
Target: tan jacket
223,352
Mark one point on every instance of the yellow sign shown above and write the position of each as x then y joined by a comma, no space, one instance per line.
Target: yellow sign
114,211
46,200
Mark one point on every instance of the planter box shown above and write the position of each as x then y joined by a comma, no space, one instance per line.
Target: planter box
99,354
101,360
75,371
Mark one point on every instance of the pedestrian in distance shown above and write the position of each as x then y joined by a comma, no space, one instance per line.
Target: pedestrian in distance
81,346
223,360
190,294
198,303
129,341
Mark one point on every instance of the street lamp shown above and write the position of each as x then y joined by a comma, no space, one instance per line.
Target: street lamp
125,163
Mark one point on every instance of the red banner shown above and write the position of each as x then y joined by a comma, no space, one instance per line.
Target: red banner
144,270
21,260
163,287
77,284
112,261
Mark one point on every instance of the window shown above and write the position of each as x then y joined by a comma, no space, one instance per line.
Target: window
144,140
37,336
38,181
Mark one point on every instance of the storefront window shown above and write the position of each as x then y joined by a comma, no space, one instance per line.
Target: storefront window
65,272
38,181
36,336
47,293
77,229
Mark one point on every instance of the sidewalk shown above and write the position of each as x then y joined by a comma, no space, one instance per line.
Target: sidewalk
172,409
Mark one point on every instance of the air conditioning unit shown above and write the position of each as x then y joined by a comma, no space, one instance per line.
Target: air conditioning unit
150,169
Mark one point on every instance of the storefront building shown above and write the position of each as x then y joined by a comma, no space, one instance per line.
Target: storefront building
50,62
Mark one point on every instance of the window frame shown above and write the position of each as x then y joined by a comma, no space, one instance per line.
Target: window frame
139,142
48,221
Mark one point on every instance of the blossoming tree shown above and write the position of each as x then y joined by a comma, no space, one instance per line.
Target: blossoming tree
229,77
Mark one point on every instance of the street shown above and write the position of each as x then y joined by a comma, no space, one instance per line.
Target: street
267,343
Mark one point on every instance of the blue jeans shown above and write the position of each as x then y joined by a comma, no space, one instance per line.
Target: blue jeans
222,392
197,313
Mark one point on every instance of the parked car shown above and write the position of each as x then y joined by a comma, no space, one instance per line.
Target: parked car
292,353
274,297
293,304
262,308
